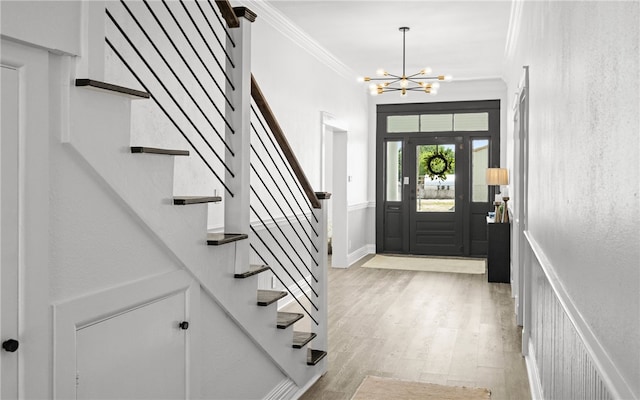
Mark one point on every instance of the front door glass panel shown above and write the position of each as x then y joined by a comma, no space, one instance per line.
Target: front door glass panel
479,165
393,176
435,172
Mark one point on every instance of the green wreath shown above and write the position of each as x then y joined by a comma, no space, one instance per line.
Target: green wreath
438,164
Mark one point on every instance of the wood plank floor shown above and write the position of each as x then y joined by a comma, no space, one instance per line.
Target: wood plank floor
444,328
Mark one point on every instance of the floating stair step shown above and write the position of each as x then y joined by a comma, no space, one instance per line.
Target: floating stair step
253,270
90,83
184,200
217,239
153,150
314,356
300,339
286,319
266,297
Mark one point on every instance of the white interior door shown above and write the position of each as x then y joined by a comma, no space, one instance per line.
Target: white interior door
140,354
9,283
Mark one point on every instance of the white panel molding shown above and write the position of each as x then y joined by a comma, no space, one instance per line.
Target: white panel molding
533,374
282,391
360,253
70,315
609,373
291,31
359,206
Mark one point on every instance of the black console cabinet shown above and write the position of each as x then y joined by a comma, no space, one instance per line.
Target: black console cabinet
499,252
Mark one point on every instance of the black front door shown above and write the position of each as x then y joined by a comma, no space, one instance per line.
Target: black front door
431,159
436,190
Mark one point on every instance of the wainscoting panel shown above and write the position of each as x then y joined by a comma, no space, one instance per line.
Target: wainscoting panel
565,359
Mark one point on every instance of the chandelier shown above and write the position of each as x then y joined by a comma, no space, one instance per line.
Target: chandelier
420,81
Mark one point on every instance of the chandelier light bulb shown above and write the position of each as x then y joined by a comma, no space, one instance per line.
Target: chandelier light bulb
360,79
423,80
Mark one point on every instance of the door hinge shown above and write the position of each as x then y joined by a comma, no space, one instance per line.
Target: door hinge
77,378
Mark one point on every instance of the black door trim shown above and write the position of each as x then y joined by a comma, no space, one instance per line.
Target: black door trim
473,212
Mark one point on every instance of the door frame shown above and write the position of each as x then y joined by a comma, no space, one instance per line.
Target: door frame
473,213
333,179
41,78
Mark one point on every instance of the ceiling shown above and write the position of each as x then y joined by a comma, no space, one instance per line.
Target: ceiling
465,39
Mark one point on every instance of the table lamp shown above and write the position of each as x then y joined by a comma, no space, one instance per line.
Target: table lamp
497,177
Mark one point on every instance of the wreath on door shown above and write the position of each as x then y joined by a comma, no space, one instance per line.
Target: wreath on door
439,163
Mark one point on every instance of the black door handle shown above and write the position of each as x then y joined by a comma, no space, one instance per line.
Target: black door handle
10,345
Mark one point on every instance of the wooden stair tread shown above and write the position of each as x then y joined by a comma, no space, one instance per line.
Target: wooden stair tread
266,297
253,270
300,339
314,356
154,150
286,319
184,200
90,83
217,239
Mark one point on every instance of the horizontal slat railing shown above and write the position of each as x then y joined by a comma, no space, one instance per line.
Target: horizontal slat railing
286,230
279,136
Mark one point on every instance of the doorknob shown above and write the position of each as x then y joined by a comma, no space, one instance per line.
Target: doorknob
10,345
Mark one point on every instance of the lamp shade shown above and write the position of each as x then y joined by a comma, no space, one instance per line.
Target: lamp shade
497,176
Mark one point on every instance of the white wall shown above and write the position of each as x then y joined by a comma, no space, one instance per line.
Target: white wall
29,21
583,187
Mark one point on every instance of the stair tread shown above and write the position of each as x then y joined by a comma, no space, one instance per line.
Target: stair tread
266,297
286,319
216,239
300,339
154,150
253,270
184,200
314,356
112,88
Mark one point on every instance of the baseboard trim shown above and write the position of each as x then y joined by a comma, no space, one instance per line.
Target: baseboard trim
284,390
533,374
360,253
306,387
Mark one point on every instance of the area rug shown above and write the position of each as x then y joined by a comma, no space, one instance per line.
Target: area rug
429,264
376,388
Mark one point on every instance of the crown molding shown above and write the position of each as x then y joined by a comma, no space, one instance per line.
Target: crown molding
268,13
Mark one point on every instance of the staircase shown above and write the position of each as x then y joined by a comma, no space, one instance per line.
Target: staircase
220,130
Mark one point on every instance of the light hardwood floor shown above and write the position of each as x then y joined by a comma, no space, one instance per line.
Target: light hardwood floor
444,328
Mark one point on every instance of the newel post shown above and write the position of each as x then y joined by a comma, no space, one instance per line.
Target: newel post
321,287
236,208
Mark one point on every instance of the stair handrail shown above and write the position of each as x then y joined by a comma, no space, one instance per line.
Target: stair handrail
227,13
280,137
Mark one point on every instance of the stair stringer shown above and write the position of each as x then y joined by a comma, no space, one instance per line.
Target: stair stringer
99,133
